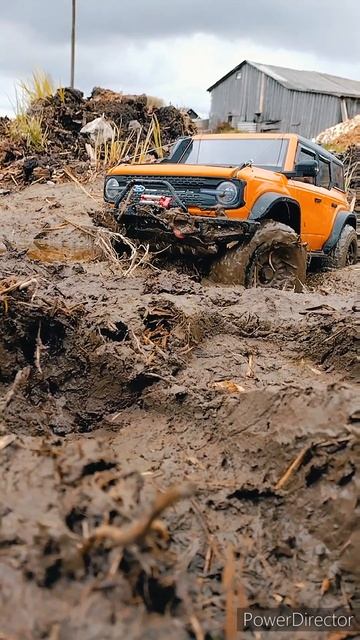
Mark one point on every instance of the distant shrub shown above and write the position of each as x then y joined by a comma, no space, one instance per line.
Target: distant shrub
224,127
154,103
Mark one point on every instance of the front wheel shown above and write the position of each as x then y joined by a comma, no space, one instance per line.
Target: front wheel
274,257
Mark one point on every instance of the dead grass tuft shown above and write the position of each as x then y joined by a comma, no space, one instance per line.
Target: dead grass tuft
29,129
38,87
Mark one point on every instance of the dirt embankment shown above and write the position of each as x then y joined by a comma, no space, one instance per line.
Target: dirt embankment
114,388
45,141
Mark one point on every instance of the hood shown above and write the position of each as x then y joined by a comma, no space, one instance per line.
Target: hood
169,169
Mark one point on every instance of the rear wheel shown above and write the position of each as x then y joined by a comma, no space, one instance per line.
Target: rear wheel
274,257
345,251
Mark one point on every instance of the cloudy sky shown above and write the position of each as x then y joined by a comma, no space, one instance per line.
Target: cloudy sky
173,49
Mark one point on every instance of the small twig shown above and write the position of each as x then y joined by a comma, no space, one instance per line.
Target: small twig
72,177
293,467
208,559
78,226
39,348
250,370
196,627
335,334
20,378
169,380
137,530
137,343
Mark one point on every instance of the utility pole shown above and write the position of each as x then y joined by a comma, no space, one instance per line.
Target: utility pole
73,33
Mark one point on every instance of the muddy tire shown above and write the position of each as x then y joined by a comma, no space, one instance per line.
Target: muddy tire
274,257
345,251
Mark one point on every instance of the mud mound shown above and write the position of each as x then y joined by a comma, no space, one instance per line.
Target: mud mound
63,115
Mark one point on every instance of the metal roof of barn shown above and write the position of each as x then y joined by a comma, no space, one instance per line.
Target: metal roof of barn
297,80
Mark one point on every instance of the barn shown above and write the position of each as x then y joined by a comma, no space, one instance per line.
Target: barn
259,97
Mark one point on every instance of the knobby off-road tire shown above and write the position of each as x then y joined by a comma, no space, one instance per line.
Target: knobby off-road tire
345,251
274,257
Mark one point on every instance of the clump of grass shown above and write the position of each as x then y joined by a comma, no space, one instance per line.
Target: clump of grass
28,126
131,148
38,87
61,94
29,129
116,150
156,133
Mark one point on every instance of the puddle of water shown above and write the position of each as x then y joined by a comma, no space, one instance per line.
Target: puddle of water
48,253
62,246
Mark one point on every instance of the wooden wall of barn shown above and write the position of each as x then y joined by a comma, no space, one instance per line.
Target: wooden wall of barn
248,91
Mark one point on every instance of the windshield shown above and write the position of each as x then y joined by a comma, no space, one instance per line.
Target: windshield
267,153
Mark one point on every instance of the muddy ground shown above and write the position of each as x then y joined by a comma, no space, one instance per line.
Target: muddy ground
171,450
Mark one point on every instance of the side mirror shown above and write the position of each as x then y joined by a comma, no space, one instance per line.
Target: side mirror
307,169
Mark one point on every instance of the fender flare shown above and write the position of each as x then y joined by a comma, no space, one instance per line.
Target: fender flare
263,205
342,218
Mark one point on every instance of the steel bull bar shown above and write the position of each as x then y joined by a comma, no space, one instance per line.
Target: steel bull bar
164,221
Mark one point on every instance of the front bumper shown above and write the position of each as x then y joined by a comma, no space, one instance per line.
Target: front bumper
180,229
175,228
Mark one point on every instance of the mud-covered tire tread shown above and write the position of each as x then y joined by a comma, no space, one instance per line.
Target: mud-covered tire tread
236,261
338,256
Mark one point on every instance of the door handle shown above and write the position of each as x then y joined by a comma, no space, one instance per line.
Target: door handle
317,200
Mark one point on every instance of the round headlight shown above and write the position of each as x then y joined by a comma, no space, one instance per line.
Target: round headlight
226,193
112,189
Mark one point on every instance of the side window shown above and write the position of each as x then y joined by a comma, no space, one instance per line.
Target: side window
304,155
323,179
337,176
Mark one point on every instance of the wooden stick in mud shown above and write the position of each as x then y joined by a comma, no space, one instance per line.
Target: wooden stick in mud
138,529
74,179
293,467
228,580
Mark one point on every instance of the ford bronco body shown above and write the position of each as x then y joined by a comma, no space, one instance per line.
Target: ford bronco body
260,205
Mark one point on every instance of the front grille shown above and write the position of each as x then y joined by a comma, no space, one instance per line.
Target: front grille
192,190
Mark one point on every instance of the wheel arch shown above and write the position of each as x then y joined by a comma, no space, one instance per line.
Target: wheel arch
342,218
275,206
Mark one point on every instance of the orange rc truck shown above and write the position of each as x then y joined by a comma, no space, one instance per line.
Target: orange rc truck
259,206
